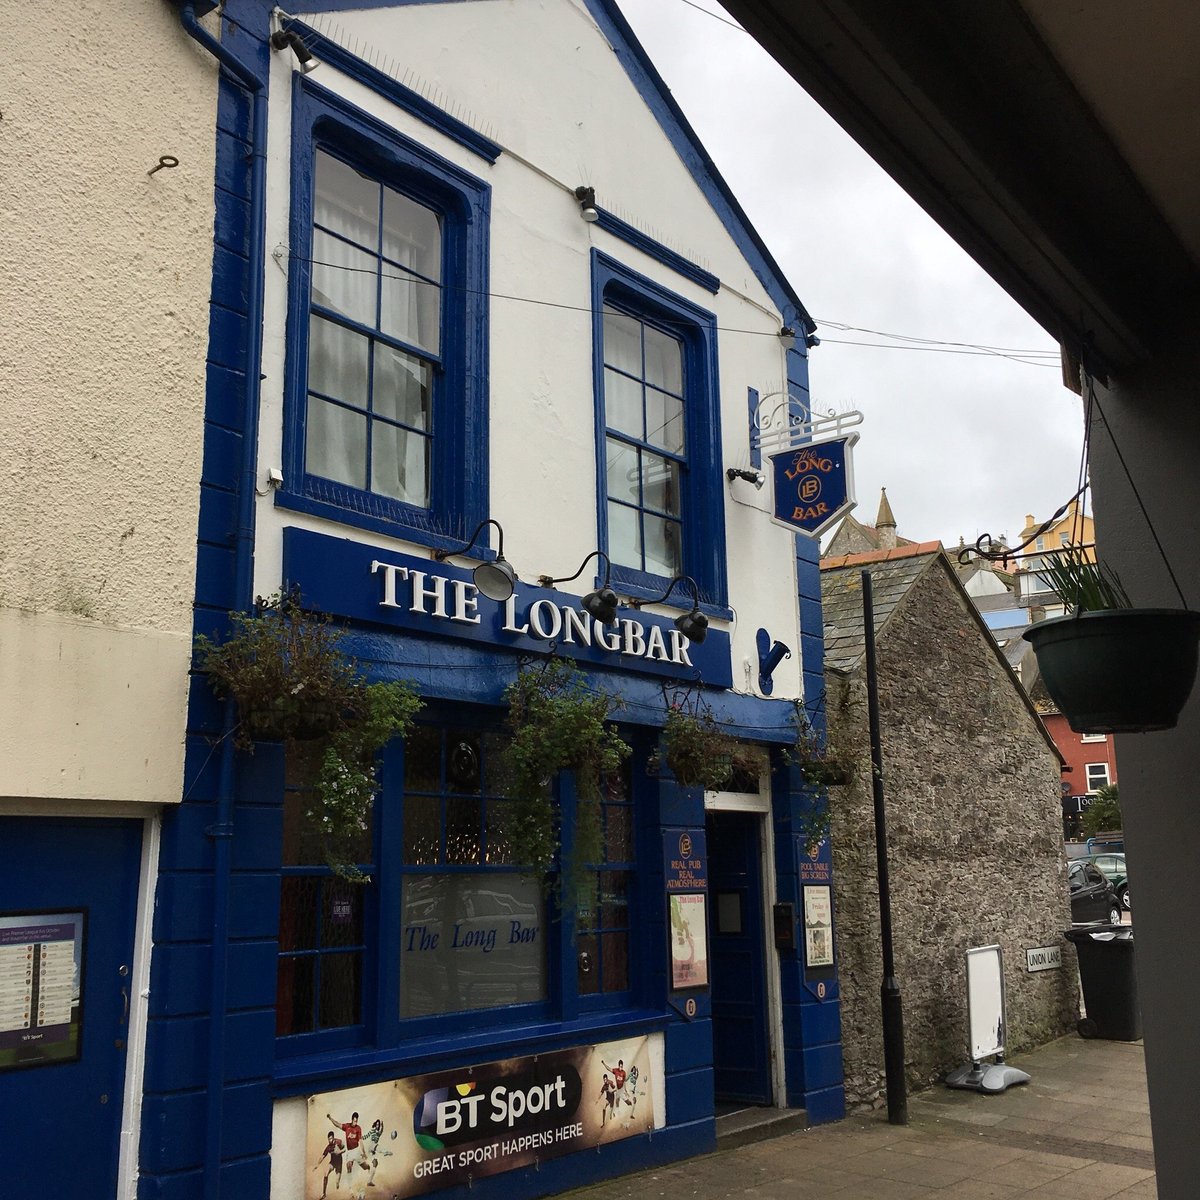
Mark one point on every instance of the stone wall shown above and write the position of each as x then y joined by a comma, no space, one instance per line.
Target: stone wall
974,836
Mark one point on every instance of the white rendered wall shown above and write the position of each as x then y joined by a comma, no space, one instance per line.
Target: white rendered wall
104,312
544,83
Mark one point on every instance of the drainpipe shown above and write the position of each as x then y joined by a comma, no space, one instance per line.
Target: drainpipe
221,831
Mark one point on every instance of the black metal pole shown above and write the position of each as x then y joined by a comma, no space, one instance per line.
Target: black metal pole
889,991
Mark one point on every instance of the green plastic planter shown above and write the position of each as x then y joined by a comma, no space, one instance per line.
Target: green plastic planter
1127,670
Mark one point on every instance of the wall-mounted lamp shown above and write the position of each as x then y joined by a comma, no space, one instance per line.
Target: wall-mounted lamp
787,335
496,580
811,340
755,477
587,203
285,39
601,604
770,655
693,625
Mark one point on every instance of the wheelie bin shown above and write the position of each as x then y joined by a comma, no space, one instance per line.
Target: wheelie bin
1110,994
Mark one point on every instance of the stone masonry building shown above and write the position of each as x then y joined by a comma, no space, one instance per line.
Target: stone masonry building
974,835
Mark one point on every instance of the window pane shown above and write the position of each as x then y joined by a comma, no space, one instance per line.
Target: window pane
341,984
664,421
495,776
344,279
462,761
587,964
336,444
470,941
401,387
412,235
618,823
663,552
622,342
342,913
624,536
295,979
615,959
623,403
337,362
660,484
464,830
400,464
298,913
614,900
664,361
346,201
622,464
499,848
410,309
422,830
423,759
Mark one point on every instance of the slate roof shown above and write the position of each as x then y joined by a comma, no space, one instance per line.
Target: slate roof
893,572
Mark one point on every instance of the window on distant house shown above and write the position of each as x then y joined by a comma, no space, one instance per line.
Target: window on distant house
661,512
1040,544
1064,539
387,336
1093,737
1097,776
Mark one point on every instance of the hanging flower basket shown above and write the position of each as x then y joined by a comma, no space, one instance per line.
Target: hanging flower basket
1122,670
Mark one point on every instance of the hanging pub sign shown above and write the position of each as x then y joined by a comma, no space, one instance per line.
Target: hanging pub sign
813,485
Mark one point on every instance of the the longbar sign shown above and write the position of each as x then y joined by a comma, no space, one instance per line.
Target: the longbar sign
364,583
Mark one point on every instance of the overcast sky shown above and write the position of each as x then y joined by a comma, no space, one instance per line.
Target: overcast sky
963,444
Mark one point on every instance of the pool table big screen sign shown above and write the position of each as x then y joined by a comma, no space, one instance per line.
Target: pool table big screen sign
813,485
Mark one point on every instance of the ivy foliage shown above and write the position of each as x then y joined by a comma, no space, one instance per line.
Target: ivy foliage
557,724
285,671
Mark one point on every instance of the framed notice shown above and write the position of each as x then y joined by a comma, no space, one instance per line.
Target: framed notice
818,927
41,973
689,940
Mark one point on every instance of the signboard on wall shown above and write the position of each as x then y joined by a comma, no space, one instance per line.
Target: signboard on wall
685,870
813,485
41,969
427,1132
818,927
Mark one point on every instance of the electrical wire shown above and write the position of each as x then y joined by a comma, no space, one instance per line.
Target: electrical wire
929,345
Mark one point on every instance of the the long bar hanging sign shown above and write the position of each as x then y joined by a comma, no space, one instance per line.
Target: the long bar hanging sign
813,485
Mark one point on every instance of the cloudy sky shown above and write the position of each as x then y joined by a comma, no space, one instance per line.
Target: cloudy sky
964,443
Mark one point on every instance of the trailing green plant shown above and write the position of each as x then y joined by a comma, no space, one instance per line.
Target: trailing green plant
285,671
557,724
820,763
1104,812
1082,583
697,751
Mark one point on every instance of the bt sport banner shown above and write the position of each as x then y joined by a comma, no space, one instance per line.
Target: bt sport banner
426,1132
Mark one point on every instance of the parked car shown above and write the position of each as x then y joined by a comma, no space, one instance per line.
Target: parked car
1113,867
1093,897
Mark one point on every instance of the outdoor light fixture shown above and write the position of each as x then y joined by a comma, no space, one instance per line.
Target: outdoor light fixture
285,39
600,605
693,625
787,335
496,580
749,475
587,203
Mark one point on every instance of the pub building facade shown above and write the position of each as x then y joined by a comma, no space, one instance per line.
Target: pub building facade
512,320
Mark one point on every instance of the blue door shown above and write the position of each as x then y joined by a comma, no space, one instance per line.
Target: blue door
741,1046
68,897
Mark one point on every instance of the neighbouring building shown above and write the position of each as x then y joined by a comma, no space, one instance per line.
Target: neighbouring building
345,304
972,797
853,537
1074,530
1013,126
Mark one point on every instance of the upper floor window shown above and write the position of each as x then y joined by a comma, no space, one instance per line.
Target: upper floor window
387,338
1097,776
658,435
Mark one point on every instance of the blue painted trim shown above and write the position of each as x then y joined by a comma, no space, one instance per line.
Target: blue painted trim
459,495
703,501
703,170
613,224
350,64
755,450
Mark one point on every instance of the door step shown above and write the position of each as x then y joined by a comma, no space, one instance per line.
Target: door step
745,1125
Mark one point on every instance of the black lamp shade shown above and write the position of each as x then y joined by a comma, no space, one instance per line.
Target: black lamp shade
693,626
496,580
601,605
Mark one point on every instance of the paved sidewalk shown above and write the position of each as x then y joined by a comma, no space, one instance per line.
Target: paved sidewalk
1080,1129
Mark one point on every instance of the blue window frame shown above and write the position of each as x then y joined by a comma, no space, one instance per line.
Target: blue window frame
386,408
448,931
660,494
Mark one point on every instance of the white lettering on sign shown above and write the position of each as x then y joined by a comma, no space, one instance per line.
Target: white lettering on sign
456,600
1043,958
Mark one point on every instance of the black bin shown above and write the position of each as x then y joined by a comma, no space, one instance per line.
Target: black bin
1110,992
